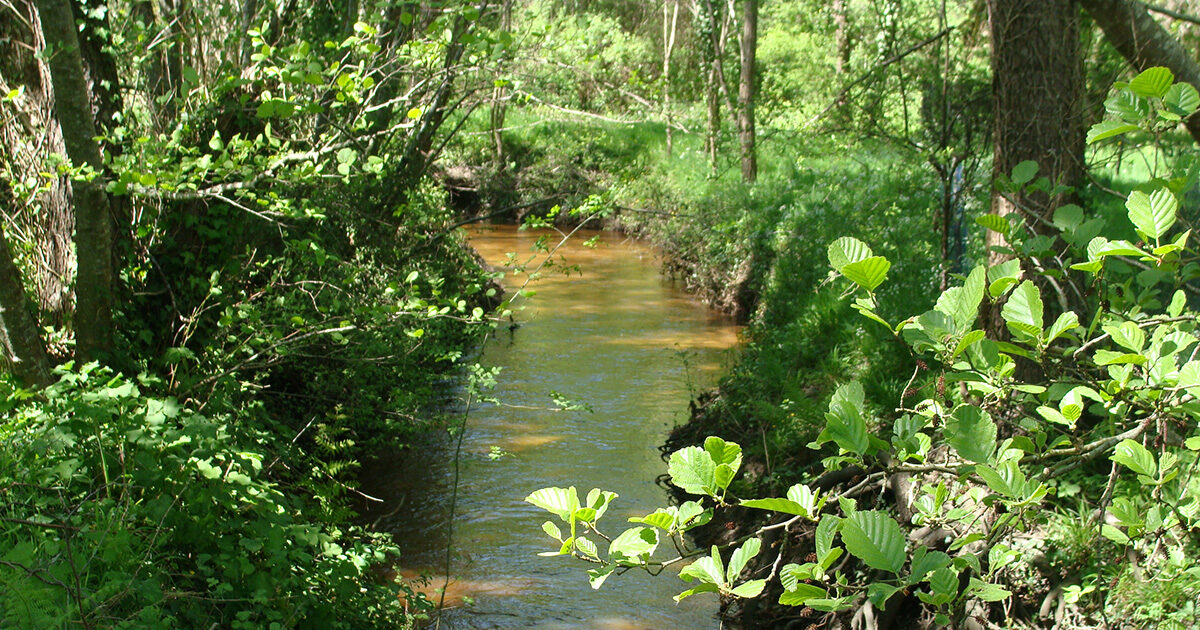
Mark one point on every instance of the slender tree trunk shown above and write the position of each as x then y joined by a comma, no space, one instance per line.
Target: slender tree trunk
714,80
670,21
499,93
746,90
93,221
20,342
841,36
1145,43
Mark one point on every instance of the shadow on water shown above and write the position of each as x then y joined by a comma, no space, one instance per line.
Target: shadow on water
617,337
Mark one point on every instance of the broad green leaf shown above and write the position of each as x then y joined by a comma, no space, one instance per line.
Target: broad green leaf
693,470
927,562
1108,357
660,518
552,530
741,556
723,476
805,497
597,576
1118,248
707,569
1182,99
826,530
868,273
876,539
802,594
723,452
878,593
703,588
847,250
1134,456
944,582
1003,276
1006,479
1023,311
1152,82
599,500
633,545
587,547
786,506
962,303
1127,335
560,501
750,589
971,432
1112,533
993,222
1153,214
1067,217
846,427
1109,129
1178,302
1024,172
1065,323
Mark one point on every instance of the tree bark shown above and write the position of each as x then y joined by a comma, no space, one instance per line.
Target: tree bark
93,221
841,36
1145,43
746,90
23,352
670,21
1037,80
499,93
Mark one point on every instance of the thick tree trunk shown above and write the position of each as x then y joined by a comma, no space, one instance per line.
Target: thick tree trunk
50,223
746,90
1145,43
23,353
93,221
1037,80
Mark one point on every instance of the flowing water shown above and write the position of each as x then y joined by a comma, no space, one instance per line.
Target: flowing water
615,336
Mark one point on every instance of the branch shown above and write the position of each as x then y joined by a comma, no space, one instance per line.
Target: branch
1170,13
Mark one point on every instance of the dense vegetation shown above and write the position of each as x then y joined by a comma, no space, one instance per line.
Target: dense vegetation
230,271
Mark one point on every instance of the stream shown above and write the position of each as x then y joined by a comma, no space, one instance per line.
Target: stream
615,336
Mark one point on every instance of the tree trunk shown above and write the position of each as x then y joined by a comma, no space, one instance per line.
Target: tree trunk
670,21
93,221
23,353
1037,80
841,36
710,18
746,90
1145,43
499,93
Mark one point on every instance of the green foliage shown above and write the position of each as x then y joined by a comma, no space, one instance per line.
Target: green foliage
1098,419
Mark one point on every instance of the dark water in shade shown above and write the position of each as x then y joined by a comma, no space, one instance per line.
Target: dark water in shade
619,338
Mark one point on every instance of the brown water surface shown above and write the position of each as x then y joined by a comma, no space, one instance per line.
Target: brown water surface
621,339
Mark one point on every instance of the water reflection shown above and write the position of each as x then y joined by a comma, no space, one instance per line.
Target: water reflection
627,343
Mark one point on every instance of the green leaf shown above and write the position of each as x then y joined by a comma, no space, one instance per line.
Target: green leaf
801,594
1109,129
723,452
693,470
1135,457
1152,214
868,273
1023,311
660,518
633,545
703,588
1128,106
750,589
826,530
1152,83
987,592
1003,276
847,250
1065,323
552,530
723,476
1024,172
1067,217
741,556
971,432
1182,99
962,303
876,539
1127,335
707,569
597,576
1108,357
846,426
993,222
785,506
560,501
1006,479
